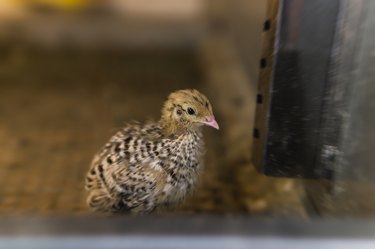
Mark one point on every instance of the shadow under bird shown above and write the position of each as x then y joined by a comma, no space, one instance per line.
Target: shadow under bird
147,167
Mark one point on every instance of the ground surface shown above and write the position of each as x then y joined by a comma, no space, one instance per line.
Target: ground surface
58,107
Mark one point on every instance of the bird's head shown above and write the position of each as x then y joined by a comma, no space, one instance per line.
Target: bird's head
187,110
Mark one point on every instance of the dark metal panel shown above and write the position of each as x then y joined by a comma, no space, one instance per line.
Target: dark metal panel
321,121
340,85
357,157
302,61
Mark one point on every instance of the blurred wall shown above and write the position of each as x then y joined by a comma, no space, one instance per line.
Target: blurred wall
106,23
243,21
247,18
164,9
134,22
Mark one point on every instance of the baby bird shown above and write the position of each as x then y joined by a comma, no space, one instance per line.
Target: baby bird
145,167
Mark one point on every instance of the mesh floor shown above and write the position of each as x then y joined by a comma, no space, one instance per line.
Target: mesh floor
57,108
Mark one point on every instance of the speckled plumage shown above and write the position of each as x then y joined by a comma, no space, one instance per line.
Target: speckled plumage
145,167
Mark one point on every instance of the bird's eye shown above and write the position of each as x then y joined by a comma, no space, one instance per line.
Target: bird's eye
191,111
179,112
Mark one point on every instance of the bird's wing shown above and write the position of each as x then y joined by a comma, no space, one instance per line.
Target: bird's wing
130,188
138,187
123,174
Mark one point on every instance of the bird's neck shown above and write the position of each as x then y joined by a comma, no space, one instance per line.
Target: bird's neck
175,129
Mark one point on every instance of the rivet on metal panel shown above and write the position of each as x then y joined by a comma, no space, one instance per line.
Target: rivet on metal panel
263,63
267,25
256,133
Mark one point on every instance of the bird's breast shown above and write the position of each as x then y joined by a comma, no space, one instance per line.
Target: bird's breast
182,167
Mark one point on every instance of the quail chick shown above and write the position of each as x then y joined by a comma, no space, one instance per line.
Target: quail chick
145,167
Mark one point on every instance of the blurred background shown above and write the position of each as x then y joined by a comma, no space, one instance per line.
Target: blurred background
72,72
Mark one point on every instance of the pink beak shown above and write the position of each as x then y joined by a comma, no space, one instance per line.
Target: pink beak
211,121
